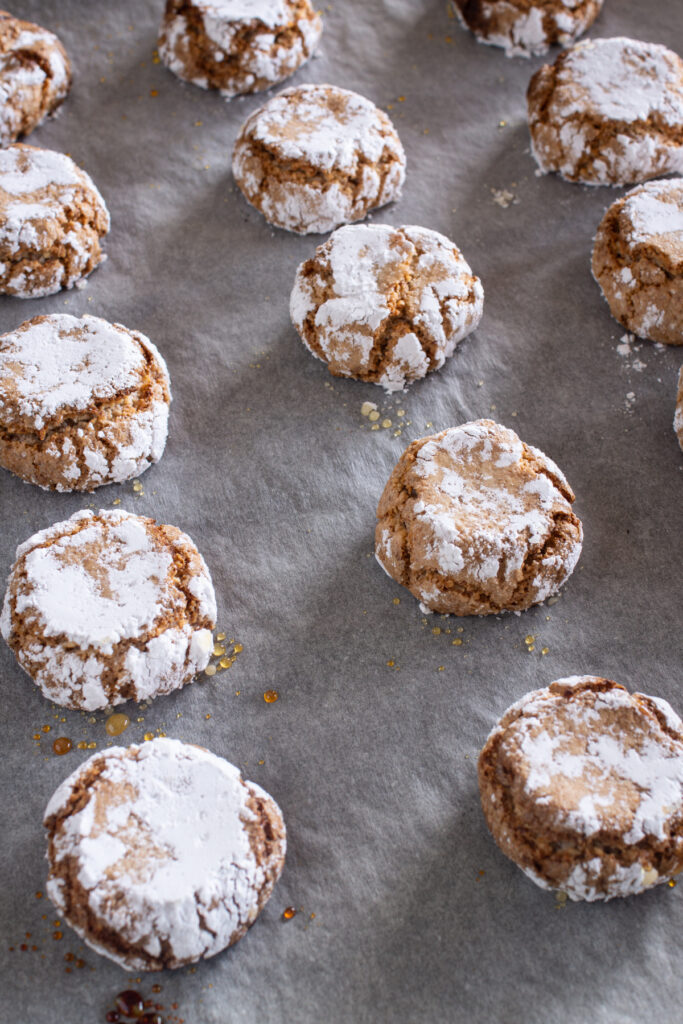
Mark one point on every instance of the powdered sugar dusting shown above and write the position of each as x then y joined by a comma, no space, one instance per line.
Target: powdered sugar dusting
168,862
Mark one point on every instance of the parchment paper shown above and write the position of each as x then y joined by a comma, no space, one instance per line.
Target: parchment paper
275,474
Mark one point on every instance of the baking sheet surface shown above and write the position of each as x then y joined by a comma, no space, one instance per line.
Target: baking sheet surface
407,910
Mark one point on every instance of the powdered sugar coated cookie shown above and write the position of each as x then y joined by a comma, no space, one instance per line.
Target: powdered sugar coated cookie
525,28
35,76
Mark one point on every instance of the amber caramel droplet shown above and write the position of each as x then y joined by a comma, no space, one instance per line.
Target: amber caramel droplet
82,745
238,648
270,696
62,745
672,883
156,989
149,736
130,1003
39,895
56,935
46,728
288,913
116,724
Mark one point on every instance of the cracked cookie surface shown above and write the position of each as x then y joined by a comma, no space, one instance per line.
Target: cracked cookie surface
315,157
35,76
82,402
474,521
525,28
638,260
107,607
582,786
237,46
160,854
52,219
384,304
608,112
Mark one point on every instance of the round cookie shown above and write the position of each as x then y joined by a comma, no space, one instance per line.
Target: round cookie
384,304
678,415
160,854
608,112
475,522
526,28
52,219
638,260
107,607
82,402
316,156
35,76
238,46
582,786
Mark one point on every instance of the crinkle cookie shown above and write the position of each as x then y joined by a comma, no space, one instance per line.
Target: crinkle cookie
160,854
526,28
107,607
385,304
638,260
474,522
82,402
52,219
238,46
35,76
678,415
582,787
316,156
608,112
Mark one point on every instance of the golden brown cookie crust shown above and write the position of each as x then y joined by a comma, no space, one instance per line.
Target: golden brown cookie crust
474,522
638,260
208,44
35,76
316,156
110,420
582,786
608,112
526,28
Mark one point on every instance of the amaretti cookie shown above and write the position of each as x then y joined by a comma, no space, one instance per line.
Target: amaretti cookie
385,304
474,521
107,607
237,46
35,76
678,415
315,157
638,260
52,219
582,787
526,28
82,402
160,854
608,112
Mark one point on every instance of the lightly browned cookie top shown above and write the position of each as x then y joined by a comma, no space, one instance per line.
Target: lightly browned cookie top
82,402
582,787
638,260
316,156
52,219
160,854
237,46
608,112
473,521
526,28
107,607
35,76
385,304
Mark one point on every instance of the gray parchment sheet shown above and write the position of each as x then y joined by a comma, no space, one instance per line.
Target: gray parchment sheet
273,471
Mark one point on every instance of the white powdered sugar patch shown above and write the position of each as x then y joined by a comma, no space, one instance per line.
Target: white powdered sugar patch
25,170
99,586
525,33
24,81
654,211
167,865
598,761
366,264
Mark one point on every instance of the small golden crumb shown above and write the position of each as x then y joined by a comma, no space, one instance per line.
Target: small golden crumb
210,670
270,696
238,648
207,716
375,426
116,724
218,651
386,424
137,486
441,668
502,124
154,92
288,913
401,412
237,693
198,124
226,662
46,728
116,501
220,636
39,895
456,643
391,664
148,736
531,647
545,650
436,630
37,736
92,745
367,407
529,639
671,883
82,745
396,600
373,415
401,99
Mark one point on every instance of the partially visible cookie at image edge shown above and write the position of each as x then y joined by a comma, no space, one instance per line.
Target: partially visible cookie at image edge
160,854
83,402
582,787
525,28
35,76
109,606
236,46
316,156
